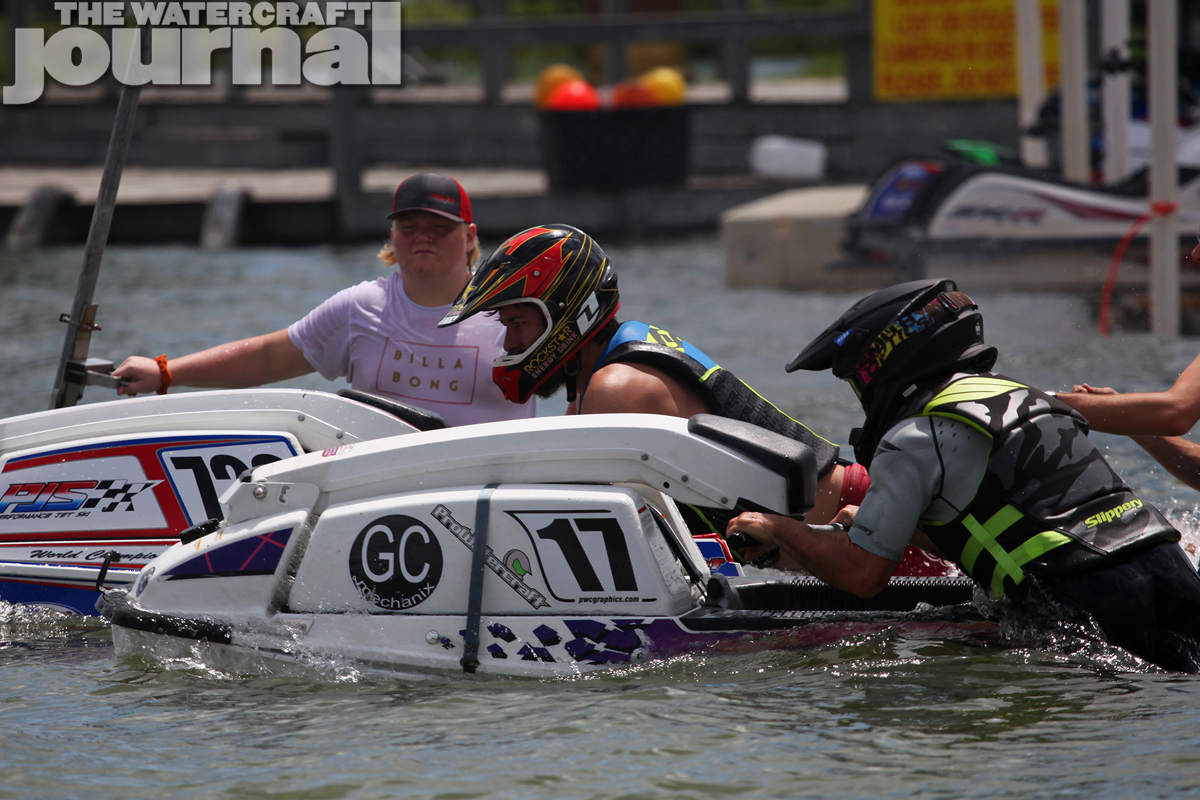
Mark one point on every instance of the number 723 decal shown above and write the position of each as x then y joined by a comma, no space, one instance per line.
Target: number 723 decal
585,553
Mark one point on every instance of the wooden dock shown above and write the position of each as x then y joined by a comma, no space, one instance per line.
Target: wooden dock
299,207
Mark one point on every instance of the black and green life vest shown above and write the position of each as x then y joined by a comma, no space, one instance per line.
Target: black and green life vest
725,394
1048,504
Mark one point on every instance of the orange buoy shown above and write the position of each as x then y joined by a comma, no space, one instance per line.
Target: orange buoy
632,94
550,79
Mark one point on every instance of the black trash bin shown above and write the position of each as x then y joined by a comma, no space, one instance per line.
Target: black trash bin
616,149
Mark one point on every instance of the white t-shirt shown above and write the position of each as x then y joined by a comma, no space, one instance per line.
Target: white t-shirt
386,344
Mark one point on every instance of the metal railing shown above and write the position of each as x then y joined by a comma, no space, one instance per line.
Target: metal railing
733,28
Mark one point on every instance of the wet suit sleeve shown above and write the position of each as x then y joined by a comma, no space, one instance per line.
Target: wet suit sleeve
926,470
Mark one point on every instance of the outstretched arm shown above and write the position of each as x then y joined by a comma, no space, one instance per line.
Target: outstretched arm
1178,456
235,365
1169,413
829,555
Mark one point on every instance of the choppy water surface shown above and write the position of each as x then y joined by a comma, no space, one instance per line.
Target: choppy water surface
1019,714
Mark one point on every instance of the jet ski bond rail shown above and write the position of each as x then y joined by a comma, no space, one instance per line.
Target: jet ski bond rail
660,452
318,420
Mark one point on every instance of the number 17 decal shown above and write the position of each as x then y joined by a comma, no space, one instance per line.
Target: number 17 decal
589,550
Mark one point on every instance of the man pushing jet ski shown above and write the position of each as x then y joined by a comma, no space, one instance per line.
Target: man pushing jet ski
1000,475
555,291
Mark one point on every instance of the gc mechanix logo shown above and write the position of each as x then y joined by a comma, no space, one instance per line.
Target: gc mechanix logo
186,35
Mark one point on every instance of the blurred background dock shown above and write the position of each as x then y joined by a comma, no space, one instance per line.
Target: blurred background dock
317,164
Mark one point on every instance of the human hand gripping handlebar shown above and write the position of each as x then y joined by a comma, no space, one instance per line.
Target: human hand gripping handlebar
739,540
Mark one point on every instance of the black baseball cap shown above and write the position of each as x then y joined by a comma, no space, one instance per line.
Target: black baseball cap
432,192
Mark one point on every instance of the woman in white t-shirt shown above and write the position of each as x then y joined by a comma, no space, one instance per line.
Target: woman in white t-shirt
382,335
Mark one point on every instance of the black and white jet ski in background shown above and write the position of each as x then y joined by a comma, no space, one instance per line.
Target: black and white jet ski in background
105,488
542,547
995,225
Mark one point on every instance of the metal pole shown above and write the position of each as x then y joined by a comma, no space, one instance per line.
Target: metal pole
735,60
346,158
614,52
1164,238
1072,93
1114,47
83,312
1032,76
495,56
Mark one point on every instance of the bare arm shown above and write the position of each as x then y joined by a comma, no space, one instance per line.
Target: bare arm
1169,413
829,555
1178,456
235,365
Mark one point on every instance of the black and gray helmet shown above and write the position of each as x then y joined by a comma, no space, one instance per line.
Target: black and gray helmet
902,334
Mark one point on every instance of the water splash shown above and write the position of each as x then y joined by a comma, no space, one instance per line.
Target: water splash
1184,514
53,633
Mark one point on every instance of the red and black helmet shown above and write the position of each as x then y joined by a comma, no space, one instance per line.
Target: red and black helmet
560,270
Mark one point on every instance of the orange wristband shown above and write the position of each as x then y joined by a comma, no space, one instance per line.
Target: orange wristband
164,374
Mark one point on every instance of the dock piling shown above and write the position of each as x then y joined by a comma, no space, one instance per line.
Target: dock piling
223,217
31,227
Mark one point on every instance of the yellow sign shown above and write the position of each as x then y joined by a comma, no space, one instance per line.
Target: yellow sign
953,49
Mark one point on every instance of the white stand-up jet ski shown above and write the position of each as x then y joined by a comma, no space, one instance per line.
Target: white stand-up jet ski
543,547
1005,227
90,494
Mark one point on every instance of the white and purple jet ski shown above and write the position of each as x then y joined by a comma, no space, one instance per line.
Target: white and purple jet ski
996,225
543,547
90,494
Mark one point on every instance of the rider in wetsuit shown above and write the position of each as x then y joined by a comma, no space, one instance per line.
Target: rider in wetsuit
999,475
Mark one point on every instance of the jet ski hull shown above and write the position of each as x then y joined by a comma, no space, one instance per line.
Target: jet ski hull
543,548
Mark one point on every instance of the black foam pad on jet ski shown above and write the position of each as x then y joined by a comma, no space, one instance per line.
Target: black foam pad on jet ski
791,459
419,418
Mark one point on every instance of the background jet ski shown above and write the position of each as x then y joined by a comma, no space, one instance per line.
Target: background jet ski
956,215
979,216
542,547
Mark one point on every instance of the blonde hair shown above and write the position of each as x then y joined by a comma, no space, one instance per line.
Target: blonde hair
388,256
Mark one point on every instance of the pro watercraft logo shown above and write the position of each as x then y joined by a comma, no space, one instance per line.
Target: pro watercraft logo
512,569
185,36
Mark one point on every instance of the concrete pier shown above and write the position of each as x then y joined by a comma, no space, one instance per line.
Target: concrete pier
791,240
